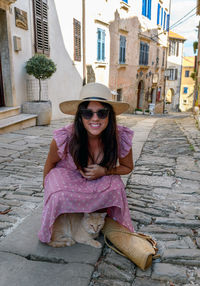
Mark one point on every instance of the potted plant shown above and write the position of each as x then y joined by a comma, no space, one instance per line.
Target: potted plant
138,111
41,68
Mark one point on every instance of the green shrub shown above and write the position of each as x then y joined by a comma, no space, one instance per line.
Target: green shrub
41,68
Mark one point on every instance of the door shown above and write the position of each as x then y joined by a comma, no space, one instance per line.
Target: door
140,95
2,102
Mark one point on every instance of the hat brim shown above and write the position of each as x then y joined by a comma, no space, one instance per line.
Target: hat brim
70,107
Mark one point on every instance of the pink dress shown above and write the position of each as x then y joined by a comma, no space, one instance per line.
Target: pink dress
66,191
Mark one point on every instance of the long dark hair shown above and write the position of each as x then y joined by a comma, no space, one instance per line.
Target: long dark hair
78,145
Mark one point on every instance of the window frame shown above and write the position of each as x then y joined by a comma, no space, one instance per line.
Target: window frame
187,73
101,44
77,39
173,74
122,49
144,54
146,8
158,14
41,29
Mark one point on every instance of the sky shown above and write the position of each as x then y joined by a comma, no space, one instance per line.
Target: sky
187,29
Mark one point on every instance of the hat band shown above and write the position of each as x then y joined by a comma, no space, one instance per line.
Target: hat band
93,97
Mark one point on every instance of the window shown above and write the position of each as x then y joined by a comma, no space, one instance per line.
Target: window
100,45
163,59
158,95
168,21
77,40
185,90
164,22
146,8
122,50
172,74
187,73
144,54
119,94
158,14
40,14
173,48
157,57
161,17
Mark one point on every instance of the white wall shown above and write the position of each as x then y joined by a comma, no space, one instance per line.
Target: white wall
20,58
66,82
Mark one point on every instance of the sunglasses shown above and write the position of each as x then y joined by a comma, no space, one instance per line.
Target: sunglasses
88,113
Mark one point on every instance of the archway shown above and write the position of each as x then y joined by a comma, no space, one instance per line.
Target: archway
170,96
140,95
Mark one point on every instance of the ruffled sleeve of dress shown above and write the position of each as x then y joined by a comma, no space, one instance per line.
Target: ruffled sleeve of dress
62,137
125,137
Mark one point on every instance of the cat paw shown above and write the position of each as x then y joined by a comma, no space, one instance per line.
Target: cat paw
70,242
95,244
57,244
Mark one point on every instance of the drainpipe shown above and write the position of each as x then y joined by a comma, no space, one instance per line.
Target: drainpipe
166,60
83,41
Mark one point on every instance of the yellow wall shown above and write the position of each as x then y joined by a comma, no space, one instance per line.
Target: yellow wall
186,99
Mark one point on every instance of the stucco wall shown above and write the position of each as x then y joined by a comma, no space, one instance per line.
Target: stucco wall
66,83
20,57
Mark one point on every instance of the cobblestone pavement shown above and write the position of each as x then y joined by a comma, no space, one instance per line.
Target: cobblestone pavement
163,194
164,197
22,157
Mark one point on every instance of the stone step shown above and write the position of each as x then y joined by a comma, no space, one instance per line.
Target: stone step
17,122
6,112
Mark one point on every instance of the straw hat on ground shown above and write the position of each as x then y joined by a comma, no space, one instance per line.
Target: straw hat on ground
93,92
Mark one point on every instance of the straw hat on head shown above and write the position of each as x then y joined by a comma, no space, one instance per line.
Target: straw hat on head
93,92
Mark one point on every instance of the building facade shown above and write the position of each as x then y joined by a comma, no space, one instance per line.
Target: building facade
174,71
29,27
138,58
187,84
119,43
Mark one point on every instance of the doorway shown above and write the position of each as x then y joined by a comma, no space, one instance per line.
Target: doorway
140,95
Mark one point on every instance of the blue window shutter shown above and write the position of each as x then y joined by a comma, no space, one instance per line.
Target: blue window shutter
158,15
164,20
149,9
98,44
161,17
168,19
144,7
103,45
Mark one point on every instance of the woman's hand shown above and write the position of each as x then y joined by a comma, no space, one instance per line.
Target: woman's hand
93,172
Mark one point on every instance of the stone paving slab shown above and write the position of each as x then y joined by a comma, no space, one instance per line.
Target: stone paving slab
18,271
24,242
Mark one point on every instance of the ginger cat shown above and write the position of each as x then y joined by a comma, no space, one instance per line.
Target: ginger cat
77,227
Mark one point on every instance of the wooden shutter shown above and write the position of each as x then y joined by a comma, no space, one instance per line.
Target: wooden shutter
168,21
77,40
164,22
161,17
149,9
144,7
176,74
40,13
177,48
158,14
98,44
